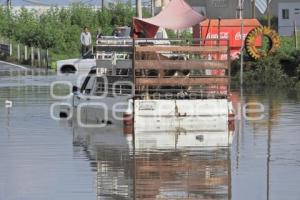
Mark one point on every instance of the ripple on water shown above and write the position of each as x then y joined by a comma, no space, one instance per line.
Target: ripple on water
44,159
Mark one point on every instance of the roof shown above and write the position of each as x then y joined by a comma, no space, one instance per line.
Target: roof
177,15
230,22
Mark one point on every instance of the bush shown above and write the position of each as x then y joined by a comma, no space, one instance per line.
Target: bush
59,29
278,70
266,72
291,63
287,46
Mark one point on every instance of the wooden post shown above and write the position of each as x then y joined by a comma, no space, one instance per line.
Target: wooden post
43,55
18,53
296,34
253,9
25,53
39,56
47,62
32,56
10,49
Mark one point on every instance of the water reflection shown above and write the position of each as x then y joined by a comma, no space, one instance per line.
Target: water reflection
109,154
262,141
190,174
36,156
125,171
44,159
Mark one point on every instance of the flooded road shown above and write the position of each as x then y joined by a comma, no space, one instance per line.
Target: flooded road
41,158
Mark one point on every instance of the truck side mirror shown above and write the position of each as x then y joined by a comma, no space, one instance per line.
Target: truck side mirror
75,89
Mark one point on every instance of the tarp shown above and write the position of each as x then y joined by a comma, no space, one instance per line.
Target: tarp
176,16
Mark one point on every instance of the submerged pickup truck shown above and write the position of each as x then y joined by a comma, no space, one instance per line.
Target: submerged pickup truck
81,66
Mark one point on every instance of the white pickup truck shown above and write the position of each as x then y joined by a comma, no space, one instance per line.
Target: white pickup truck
76,66
80,66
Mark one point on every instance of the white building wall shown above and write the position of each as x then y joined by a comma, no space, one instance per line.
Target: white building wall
39,10
286,26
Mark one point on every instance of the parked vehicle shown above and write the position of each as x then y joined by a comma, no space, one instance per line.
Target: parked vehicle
154,87
82,66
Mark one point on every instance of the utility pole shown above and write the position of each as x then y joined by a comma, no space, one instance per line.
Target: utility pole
139,12
253,9
152,8
8,3
242,55
102,5
269,12
240,9
296,34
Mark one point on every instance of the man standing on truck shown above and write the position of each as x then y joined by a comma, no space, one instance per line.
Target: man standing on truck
86,42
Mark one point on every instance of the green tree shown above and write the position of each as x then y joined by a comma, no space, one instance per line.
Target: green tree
59,29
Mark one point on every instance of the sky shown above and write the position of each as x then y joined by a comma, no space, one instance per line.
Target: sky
55,2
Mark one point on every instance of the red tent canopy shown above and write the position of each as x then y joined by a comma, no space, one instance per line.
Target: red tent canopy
177,15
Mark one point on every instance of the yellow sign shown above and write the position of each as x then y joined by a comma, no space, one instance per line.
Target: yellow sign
273,45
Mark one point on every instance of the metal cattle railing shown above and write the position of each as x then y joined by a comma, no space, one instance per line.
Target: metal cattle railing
188,66
177,68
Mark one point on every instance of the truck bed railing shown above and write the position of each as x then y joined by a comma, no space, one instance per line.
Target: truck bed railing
160,64
198,68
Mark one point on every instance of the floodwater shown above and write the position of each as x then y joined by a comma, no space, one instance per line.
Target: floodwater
41,158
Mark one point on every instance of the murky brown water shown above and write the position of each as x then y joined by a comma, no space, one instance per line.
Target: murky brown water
45,159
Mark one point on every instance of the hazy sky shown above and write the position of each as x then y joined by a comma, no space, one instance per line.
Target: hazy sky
55,2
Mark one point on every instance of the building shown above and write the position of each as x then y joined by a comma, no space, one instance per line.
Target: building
227,8
39,10
288,18
215,8
287,11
